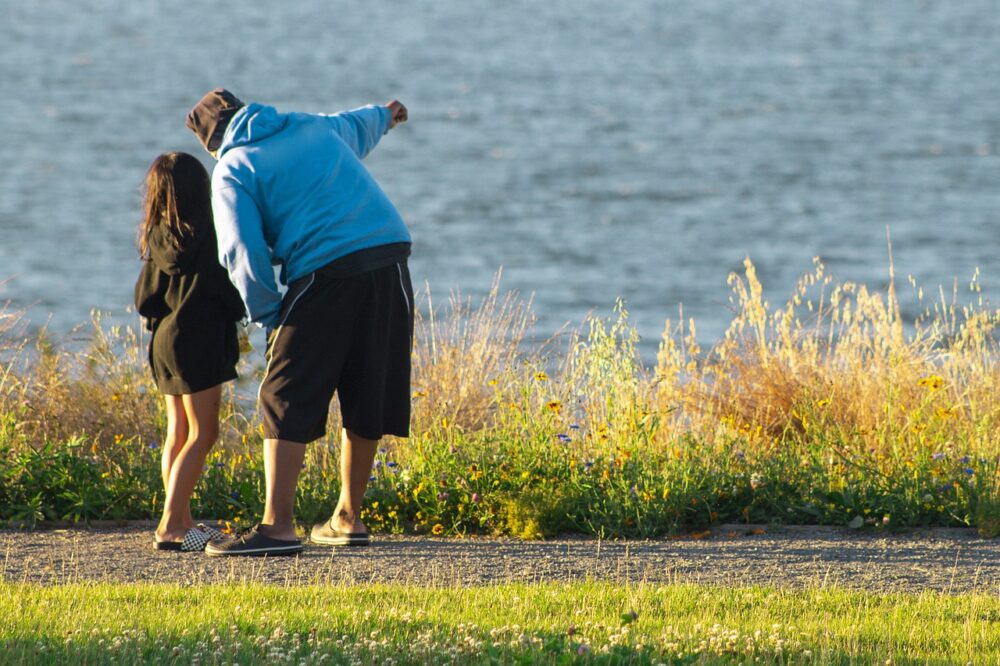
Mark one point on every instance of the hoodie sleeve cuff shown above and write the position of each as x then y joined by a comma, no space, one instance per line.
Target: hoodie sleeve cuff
386,119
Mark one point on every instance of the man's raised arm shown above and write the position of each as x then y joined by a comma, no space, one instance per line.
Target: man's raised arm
361,129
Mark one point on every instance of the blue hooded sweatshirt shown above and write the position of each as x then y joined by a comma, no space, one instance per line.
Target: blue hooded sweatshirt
289,189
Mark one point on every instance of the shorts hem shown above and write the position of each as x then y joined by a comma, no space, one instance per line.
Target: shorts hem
394,432
181,388
295,437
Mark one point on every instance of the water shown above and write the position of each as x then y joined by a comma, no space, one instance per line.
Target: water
594,150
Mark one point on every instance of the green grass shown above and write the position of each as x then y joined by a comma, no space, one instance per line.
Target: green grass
551,623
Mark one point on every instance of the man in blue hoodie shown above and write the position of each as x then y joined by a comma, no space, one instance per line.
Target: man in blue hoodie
289,190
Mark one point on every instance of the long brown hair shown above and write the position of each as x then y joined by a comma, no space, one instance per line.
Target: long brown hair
178,196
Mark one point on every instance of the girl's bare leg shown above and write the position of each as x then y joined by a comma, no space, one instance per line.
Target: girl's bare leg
176,437
202,412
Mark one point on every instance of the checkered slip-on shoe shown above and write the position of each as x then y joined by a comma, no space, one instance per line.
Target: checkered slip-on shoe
325,534
212,533
194,541
253,543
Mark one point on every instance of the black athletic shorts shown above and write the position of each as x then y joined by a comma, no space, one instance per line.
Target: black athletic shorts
352,335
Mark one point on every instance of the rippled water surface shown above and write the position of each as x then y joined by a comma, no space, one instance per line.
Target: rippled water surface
592,149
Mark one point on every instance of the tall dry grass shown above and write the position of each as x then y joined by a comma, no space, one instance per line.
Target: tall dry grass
462,353
101,390
835,360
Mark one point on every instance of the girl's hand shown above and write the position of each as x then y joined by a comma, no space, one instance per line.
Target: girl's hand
398,111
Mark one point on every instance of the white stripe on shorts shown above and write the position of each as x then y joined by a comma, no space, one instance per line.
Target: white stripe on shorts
403,287
312,278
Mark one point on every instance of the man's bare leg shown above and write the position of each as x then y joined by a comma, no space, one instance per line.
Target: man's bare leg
282,463
356,458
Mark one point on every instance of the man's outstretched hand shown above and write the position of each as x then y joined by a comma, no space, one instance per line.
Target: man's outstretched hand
398,112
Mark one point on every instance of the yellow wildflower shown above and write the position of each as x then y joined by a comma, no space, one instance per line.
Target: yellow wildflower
541,376
933,382
438,529
554,406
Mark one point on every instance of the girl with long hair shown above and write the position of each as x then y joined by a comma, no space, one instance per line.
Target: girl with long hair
191,309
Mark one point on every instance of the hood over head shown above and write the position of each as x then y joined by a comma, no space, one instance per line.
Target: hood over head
211,115
254,122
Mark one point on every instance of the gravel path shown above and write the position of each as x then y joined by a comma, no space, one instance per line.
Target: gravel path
941,560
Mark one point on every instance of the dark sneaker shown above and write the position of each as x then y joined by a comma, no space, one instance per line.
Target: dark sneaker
252,542
325,534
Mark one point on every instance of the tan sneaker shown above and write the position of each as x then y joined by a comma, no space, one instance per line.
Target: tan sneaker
325,534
